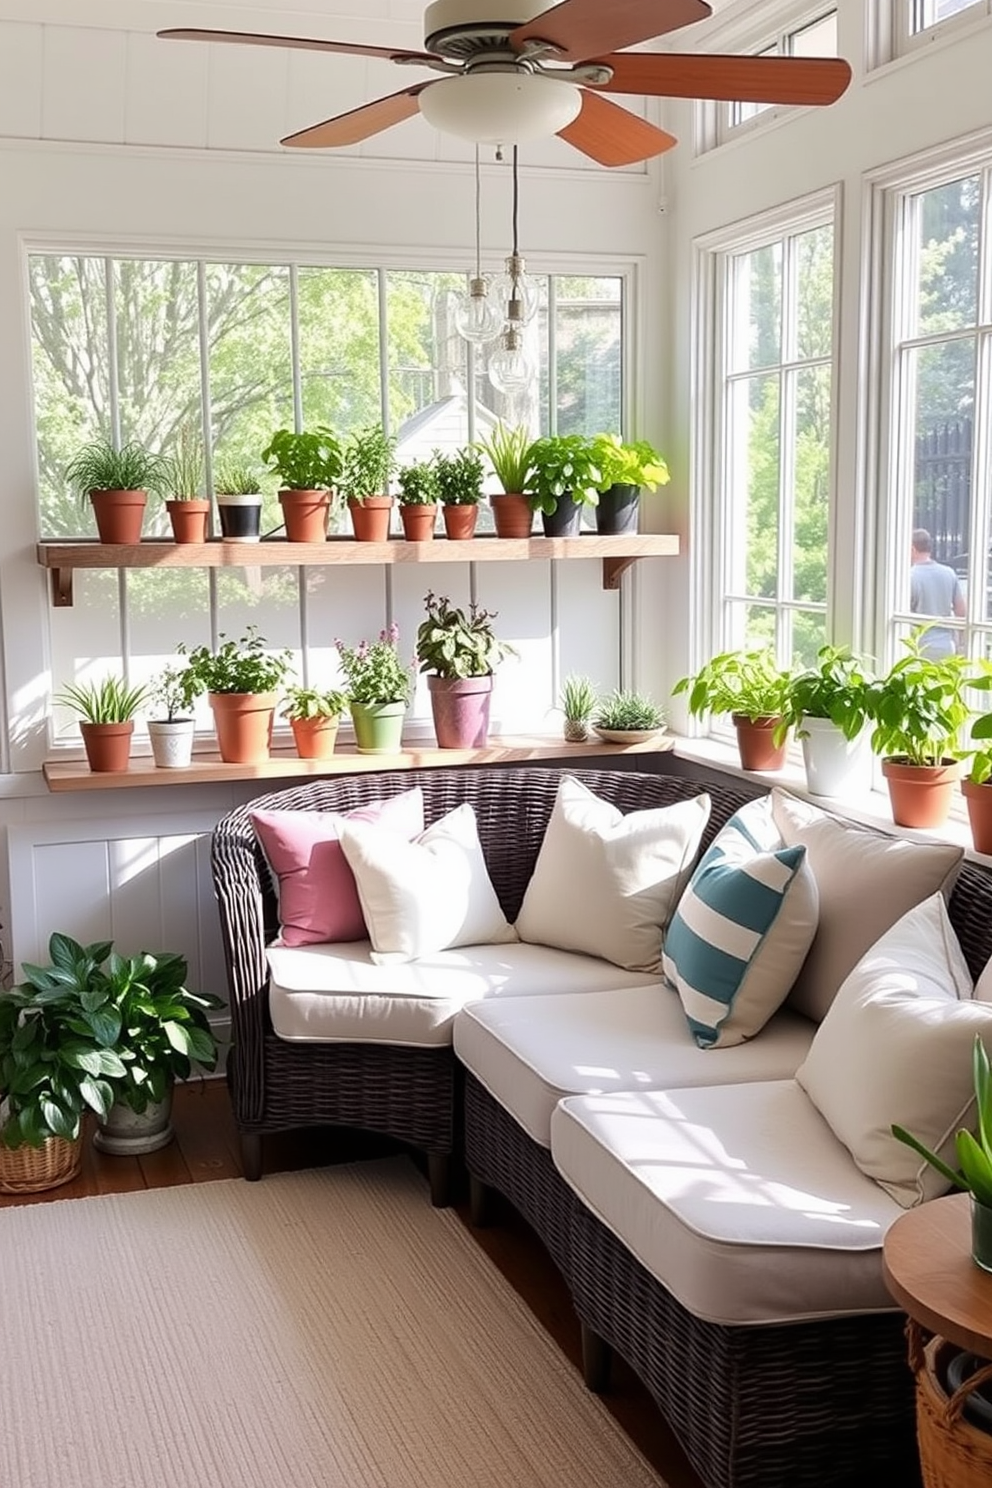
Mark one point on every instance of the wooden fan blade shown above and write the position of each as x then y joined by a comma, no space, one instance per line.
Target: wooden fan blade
579,29
359,124
736,79
612,135
306,43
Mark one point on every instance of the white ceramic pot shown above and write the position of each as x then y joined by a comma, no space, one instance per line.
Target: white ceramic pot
172,742
835,765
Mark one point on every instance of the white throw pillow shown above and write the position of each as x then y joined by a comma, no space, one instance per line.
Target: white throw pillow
896,1048
741,929
605,883
866,880
427,895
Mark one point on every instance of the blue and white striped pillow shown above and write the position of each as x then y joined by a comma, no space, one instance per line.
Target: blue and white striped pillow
742,929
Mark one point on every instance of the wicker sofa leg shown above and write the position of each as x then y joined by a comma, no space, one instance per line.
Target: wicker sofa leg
481,1202
597,1359
251,1155
440,1175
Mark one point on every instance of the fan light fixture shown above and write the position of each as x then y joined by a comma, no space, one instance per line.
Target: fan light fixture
500,108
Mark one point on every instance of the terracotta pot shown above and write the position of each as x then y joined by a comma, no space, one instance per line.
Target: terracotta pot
418,522
460,706
315,737
755,745
119,515
459,521
189,520
618,509
305,514
512,514
978,799
920,795
243,723
108,746
370,518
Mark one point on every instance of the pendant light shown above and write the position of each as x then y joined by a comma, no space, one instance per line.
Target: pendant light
478,314
516,293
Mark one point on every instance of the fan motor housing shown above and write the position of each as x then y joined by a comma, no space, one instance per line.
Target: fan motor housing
462,29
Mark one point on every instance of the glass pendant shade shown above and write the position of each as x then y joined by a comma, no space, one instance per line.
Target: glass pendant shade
478,314
511,369
500,107
515,292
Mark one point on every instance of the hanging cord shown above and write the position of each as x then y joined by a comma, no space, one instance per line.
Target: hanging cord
516,202
478,216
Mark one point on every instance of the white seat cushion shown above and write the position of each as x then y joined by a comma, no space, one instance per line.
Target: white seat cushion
336,992
529,1055
739,1199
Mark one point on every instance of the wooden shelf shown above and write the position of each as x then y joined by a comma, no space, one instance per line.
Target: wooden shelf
210,769
616,553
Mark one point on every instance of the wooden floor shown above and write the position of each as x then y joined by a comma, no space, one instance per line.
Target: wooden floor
206,1148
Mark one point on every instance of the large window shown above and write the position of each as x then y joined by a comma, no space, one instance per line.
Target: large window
771,402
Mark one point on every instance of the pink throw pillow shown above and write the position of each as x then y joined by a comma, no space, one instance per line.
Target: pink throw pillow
318,900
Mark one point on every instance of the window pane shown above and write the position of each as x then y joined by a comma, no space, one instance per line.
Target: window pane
815,293
947,238
812,484
587,346
818,39
756,442
944,377
925,13
809,634
741,112
757,333
338,312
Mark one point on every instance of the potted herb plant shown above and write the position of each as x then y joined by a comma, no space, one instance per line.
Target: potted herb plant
563,476
378,686
508,452
57,1058
117,483
188,509
750,686
626,468
627,717
976,785
314,716
827,705
459,483
171,730
237,487
308,464
368,461
459,652
579,701
107,711
418,500
241,680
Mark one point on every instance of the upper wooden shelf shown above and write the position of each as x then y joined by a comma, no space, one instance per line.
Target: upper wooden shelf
617,554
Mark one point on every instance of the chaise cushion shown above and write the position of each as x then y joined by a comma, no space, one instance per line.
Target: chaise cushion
605,883
741,930
866,880
530,1052
738,1198
337,993
896,1047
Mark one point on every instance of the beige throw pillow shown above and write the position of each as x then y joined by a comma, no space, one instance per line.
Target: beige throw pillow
896,1048
605,884
866,881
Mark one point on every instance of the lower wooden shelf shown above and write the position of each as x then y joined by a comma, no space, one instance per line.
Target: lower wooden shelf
209,769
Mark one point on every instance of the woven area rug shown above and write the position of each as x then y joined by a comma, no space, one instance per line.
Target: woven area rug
322,1329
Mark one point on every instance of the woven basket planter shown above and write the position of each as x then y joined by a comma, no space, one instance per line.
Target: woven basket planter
33,1169
953,1452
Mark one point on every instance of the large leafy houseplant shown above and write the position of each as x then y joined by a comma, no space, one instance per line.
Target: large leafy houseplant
453,644
628,463
836,688
562,467
918,708
304,460
754,690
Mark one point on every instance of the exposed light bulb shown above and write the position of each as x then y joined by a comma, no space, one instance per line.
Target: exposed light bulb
510,367
515,292
478,315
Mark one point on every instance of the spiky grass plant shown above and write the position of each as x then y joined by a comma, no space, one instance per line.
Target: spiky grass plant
98,466
624,711
109,701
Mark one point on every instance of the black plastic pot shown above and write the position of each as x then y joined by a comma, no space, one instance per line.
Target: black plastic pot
565,520
618,509
240,518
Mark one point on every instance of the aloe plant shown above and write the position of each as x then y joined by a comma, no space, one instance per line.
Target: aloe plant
974,1150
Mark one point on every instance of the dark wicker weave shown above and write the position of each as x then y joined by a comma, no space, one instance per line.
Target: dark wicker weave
404,1093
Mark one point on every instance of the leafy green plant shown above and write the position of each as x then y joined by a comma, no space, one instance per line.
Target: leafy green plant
58,1051
918,708
186,464
974,1150
305,461
368,461
749,683
459,477
108,701
635,463
579,698
508,452
176,690
562,466
374,671
453,644
310,702
418,484
836,688
237,666
233,477
98,466
626,710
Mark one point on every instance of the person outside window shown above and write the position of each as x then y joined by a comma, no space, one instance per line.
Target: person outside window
934,590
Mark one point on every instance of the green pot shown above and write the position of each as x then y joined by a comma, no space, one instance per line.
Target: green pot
981,1234
378,727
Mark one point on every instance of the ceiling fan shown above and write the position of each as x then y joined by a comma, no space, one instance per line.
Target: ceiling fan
511,71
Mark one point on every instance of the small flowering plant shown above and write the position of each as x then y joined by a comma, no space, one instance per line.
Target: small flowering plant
374,670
